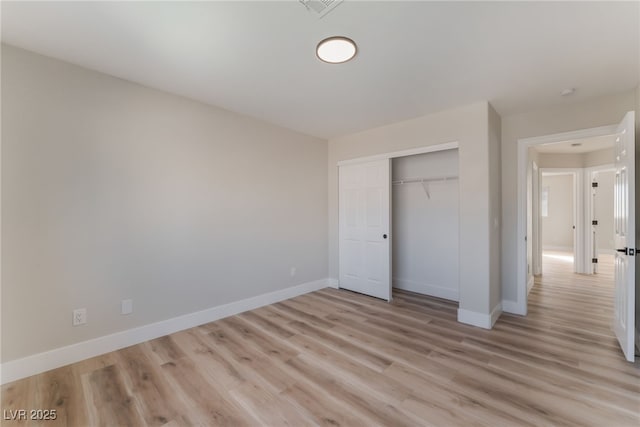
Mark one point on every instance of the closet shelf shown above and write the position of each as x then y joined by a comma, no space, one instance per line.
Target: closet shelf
424,180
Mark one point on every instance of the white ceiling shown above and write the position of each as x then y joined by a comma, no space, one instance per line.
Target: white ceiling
587,145
258,58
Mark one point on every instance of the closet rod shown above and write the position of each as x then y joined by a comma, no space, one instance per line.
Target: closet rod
411,180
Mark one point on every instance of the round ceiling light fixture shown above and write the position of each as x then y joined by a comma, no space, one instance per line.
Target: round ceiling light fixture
336,50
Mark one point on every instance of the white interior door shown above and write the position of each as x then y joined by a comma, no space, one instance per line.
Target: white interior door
365,223
624,236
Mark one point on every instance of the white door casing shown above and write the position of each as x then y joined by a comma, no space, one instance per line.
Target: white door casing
592,236
592,194
364,228
624,236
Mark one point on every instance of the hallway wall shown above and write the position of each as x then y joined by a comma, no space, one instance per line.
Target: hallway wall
557,226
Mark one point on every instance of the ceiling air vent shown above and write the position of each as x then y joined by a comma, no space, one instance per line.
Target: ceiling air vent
320,7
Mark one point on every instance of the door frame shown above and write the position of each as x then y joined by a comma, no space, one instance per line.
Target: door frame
388,156
403,153
520,306
590,173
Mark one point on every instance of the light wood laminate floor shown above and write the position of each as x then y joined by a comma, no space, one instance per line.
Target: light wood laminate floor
338,358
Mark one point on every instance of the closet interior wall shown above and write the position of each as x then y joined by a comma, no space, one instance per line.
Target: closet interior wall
425,223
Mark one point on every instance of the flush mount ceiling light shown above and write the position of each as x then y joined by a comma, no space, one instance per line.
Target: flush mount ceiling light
336,50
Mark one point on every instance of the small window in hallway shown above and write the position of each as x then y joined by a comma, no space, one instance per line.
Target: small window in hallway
544,202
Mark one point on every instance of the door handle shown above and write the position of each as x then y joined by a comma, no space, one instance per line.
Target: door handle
384,236
624,251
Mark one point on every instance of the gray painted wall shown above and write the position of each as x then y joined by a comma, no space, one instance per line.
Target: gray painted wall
112,190
580,160
599,157
557,227
560,160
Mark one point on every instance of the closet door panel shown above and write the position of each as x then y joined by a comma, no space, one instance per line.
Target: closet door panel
364,218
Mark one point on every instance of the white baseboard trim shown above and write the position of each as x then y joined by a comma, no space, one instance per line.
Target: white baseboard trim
495,313
332,282
423,288
480,320
511,307
530,284
41,362
557,248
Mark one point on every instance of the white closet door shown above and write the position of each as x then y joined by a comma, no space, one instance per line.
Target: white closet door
625,236
364,221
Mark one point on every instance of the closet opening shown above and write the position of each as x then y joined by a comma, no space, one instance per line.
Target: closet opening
425,224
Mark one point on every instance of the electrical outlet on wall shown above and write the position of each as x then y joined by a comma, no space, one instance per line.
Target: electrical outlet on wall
79,316
127,306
